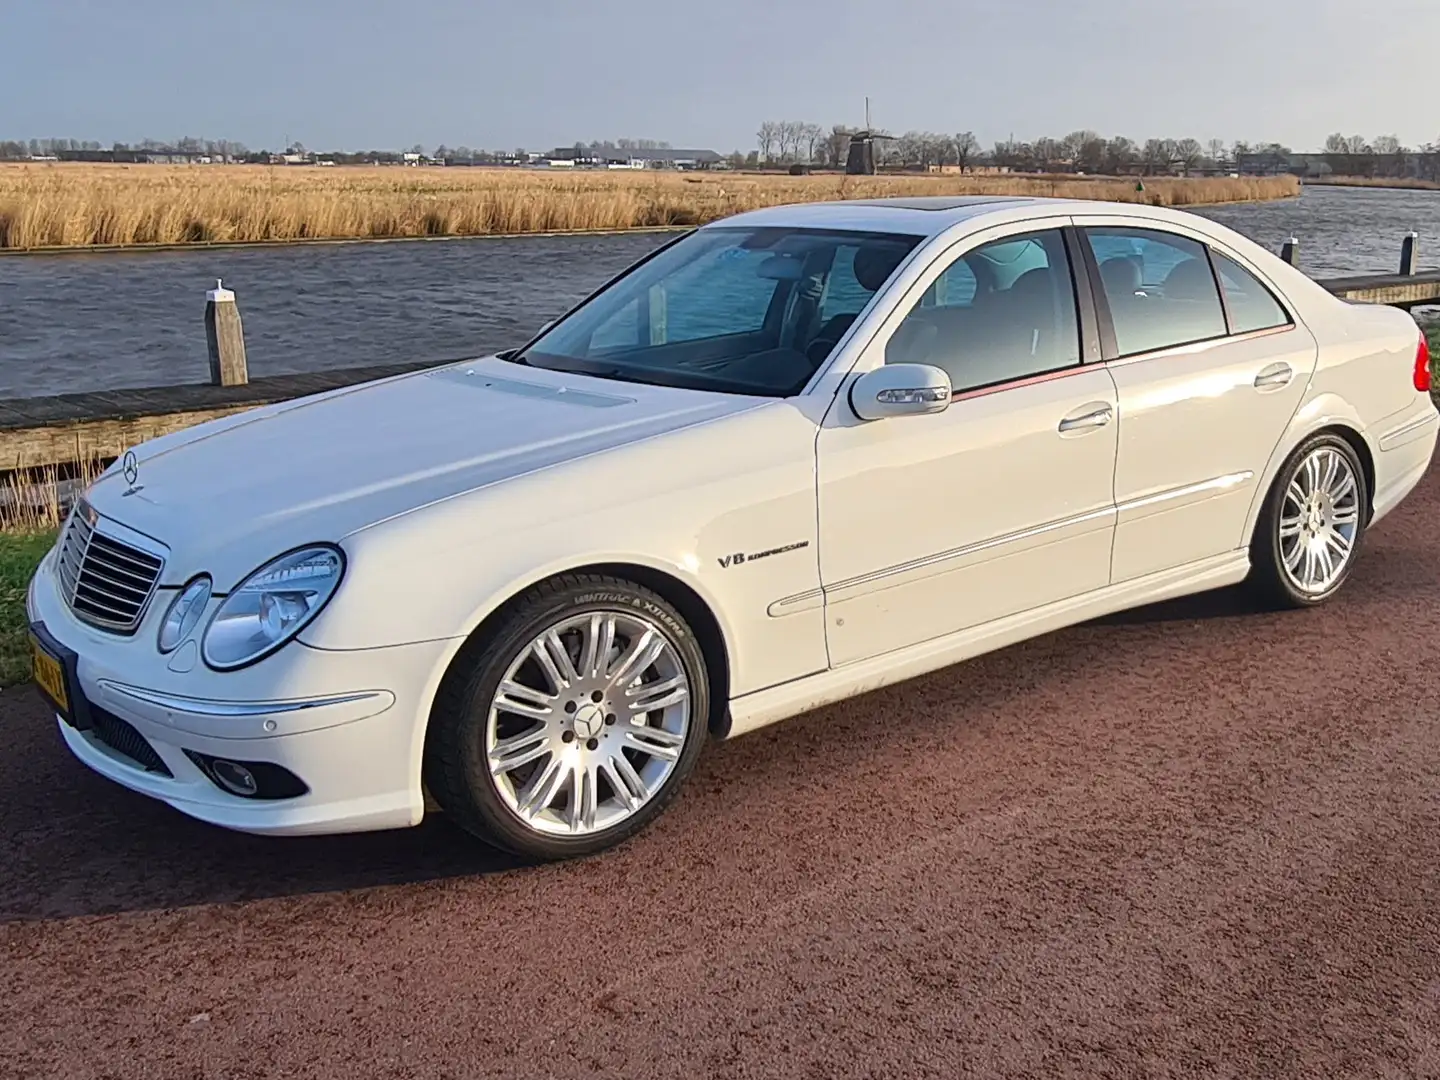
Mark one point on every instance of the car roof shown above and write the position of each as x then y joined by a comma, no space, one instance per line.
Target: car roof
924,215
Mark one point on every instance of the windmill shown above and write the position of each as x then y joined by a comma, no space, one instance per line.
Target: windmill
861,159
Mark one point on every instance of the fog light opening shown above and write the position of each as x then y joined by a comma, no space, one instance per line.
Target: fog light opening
234,778
249,779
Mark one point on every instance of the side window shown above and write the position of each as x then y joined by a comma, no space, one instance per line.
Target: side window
1159,286
1003,311
1252,306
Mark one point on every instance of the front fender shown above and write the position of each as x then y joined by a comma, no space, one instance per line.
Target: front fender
438,572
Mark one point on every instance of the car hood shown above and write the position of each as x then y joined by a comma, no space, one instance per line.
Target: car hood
227,495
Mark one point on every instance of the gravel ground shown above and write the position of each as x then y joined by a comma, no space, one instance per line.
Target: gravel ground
1196,840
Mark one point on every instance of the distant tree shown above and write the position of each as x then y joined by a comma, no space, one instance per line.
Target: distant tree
1386,144
837,145
1356,144
814,139
1336,143
1156,155
1074,144
1120,155
1089,155
1050,154
1188,153
964,146
766,138
1216,149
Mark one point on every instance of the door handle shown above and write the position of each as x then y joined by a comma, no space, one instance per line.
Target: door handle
1276,376
1097,417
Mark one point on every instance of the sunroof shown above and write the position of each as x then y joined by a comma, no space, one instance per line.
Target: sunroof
936,202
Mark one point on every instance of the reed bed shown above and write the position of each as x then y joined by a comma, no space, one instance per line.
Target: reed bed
1406,182
38,500
77,206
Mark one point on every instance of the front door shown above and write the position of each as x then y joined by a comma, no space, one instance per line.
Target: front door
999,504
1209,376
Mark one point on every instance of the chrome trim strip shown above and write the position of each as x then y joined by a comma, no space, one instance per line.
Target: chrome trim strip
233,709
971,549
1219,483
1423,420
1192,347
793,605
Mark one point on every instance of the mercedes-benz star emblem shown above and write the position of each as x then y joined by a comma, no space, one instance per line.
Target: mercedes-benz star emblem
130,466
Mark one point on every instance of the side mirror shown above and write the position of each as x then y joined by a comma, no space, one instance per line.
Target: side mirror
900,390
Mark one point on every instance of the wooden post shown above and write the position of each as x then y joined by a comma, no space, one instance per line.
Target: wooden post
1407,253
225,338
1289,249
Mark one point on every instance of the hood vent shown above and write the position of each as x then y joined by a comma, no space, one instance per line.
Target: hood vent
481,380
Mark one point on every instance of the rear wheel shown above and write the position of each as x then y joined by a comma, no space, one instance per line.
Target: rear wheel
1311,526
575,723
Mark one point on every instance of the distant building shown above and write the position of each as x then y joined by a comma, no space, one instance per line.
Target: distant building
601,157
1410,165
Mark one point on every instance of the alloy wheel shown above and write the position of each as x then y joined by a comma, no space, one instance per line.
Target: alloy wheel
1319,521
588,723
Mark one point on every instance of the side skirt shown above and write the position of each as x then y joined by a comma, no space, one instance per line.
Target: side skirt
764,707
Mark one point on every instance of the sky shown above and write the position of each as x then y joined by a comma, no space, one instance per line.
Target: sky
504,74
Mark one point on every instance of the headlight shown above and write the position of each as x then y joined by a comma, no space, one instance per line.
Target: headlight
271,606
184,613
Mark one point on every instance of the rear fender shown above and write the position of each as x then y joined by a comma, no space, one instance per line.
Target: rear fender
1326,410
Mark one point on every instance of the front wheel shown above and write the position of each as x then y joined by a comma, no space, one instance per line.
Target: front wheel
1312,523
574,724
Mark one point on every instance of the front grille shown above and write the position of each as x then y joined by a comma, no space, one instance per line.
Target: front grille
124,739
106,581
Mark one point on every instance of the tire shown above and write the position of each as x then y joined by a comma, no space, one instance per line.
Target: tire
1279,563
576,739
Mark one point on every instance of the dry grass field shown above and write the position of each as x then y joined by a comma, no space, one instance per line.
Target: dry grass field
66,206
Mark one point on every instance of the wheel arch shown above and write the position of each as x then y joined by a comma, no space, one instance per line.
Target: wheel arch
1333,417
698,612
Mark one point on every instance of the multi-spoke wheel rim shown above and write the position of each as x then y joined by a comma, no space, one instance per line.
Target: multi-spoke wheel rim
1319,520
588,723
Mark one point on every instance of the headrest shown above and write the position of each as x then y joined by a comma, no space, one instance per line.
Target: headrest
875,264
1120,275
1190,280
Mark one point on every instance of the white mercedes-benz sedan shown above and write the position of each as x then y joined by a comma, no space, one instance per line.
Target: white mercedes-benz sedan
788,457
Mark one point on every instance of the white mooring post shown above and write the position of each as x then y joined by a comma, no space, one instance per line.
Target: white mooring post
225,338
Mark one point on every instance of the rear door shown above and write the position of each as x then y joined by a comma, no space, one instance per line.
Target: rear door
1209,367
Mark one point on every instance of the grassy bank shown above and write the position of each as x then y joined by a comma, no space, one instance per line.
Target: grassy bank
20,553
66,206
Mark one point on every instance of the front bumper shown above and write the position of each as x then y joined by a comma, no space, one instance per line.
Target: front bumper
350,725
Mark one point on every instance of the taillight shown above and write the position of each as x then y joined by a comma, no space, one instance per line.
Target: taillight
1422,366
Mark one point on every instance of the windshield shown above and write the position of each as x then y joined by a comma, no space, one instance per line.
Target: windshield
742,310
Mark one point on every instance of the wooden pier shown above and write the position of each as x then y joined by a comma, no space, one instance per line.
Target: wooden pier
64,429
36,432
1393,290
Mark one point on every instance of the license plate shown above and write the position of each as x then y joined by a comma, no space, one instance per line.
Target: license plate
49,675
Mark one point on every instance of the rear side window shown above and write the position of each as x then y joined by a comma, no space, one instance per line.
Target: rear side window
1159,287
1252,306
